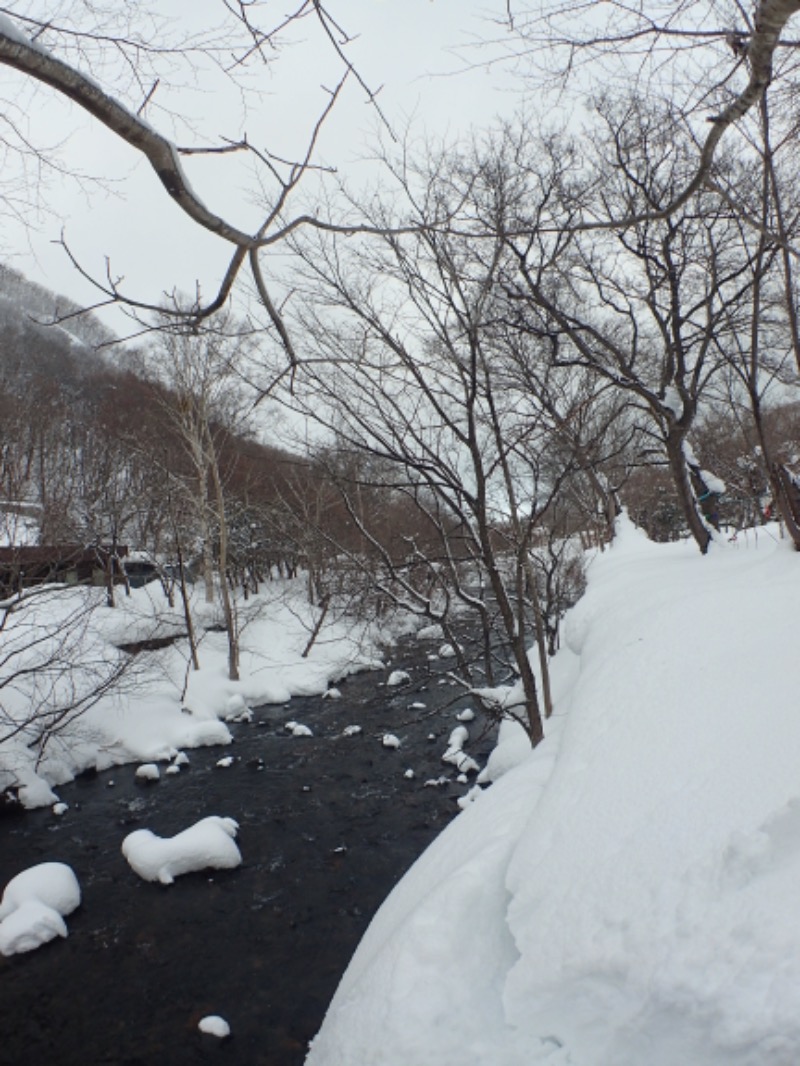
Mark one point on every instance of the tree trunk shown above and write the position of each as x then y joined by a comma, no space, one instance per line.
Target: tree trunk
787,499
225,591
686,497
187,612
541,637
784,493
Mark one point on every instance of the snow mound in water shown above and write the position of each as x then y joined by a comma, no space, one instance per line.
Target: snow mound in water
208,843
33,904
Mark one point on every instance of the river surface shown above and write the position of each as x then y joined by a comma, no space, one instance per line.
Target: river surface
328,824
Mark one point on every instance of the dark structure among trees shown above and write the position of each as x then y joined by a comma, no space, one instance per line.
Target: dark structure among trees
71,564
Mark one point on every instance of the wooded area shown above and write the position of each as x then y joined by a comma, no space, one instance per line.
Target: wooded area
507,341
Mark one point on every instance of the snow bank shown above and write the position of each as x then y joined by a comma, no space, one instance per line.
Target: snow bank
208,843
626,894
147,720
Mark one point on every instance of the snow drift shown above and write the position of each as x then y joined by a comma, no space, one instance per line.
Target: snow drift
627,894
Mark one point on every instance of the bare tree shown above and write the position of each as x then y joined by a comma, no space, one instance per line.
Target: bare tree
410,368
53,665
651,310
200,401
118,64
716,61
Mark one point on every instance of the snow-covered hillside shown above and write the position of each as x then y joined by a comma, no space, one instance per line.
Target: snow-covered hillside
627,894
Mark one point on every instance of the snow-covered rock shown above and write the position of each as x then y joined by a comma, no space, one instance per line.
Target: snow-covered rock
33,905
214,1025
208,843
52,883
148,771
299,730
397,677
32,924
456,755
389,740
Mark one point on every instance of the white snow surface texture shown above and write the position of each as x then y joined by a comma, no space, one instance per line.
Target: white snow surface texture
627,895
33,905
207,843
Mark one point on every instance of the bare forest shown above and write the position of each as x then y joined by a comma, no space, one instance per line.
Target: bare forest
497,346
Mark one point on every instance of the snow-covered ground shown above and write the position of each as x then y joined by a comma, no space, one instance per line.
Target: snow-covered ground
626,895
149,718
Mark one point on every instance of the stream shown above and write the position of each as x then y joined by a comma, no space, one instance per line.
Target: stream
328,825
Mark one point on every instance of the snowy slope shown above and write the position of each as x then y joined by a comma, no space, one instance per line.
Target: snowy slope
627,895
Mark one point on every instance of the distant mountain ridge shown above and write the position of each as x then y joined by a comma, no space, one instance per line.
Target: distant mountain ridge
33,344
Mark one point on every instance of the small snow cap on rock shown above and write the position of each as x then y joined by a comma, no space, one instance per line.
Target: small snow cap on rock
397,677
299,730
390,741
447,651
455,754
214,1026
148,771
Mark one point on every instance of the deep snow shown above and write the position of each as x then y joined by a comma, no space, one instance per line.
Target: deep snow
627,893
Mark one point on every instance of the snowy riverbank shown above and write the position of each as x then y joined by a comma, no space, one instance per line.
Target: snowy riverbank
149,717
626,894
328,823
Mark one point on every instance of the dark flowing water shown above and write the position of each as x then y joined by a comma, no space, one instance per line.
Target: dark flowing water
328,825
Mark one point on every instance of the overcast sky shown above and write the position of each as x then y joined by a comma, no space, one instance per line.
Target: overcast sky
406,46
